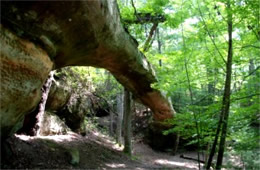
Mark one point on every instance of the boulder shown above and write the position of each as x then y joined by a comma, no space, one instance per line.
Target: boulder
53,125
58,97
80,105
74,104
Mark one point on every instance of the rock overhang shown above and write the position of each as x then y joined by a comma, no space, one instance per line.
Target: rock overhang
83,33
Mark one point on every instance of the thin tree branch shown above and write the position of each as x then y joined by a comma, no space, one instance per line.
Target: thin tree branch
244,97
151,43
206,45
252,46
147,42
244,78
109,104
216,22
143,18
190,158
252,72
135,12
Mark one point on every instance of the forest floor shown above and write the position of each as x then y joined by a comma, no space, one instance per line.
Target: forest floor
93,151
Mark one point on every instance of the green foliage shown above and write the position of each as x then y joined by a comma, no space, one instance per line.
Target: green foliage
246,146
195,34
184,124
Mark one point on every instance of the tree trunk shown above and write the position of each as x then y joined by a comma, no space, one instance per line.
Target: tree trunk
111,129
226,96
159,45
223,119
159,41
213,148
251,86
127,123
108,84
211,86
45,92
120,108
108,87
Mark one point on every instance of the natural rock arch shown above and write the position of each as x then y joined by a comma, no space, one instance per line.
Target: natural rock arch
37,37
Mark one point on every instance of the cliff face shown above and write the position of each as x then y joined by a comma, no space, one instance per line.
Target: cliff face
24,68
37,37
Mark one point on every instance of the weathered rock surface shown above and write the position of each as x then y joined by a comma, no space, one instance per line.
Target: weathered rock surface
83,33
53,125
58,97
24,68
75,110
63,105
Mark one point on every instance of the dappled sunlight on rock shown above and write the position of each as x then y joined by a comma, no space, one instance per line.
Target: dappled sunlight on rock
165,162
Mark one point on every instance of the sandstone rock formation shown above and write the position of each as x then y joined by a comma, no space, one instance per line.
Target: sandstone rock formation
37,37
58,97
53,125
24,68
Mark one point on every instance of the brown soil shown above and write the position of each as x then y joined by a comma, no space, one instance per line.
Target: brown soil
95,151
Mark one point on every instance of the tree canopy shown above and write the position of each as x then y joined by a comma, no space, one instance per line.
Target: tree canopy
189,47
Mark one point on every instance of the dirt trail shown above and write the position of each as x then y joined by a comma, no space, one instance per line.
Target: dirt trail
151,158
94,151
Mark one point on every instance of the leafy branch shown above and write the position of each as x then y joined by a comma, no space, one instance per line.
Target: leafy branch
209,33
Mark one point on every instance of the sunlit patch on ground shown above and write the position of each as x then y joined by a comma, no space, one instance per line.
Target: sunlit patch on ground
23,137
105,140
167,163
56,138
118,147
115,165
